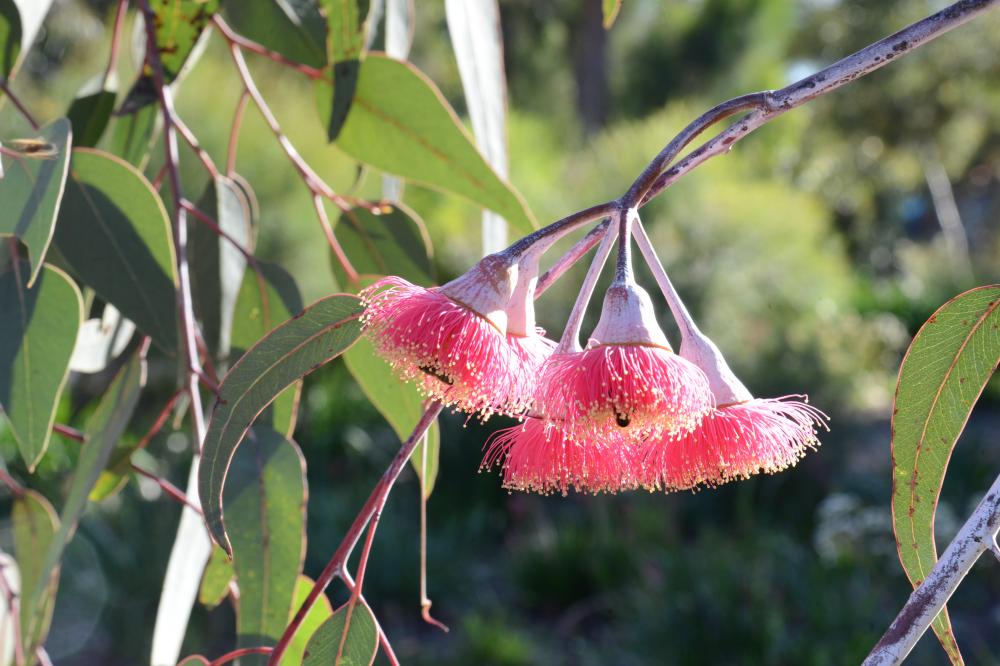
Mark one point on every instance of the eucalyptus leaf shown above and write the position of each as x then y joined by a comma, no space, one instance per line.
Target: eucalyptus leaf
400,123
286,354
37,334
35,526
265,502
349,637
394,242
317,615
90,114
114,233
32,191
941,378
216,579
294,28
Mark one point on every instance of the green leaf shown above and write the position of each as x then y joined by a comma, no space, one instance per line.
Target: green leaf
398,402
179,25
610,9
289,352
400,123
32,190
265,503
354,639
317,615
217,266
942,375
395,242
294,28
194,660
89,115
346,28
10,37
114,234
216,579
104,428
132,135
264,301
35,526
37,332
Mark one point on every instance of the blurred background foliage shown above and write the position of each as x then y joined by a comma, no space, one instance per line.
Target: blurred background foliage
811,254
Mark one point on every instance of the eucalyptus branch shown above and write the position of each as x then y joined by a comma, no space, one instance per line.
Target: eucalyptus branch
768,105
234,132
116,39
573,255
371,505
172,491
233,37
977,536
383,639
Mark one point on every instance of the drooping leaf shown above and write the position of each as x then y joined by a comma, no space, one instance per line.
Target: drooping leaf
103,429
32,191
294,28
265,301
400,123
132,135
474,27
217,265
610,9
35,526
945,369
350,633
265,512
114,234
398,402
216,579
38,329
345,51
89,114
179,25
395,242
289,352
317,615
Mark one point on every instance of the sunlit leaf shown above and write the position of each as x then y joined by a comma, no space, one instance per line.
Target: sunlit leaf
216,579
38,330
395,242
103,429
35,526
294,28
350,634
610,8
289,352
400,123
317,615
264,301
114,234
345,46
400,403
179,25
32,191
265,514
946,368
89,115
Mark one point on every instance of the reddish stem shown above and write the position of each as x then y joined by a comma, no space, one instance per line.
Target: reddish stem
382,637
170,489
375,499
160,421
116,38
362,565
192,141
331,239
69,433
22,109
234,132
233,37
16,489
236,654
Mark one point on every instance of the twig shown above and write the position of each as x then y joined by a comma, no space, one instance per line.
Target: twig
160,421
331,239
572,255
69,433
234,132
23,110
170,489
192,141
233,37
769,105
977,535
425,600
343,552
16,489
362,567
116,38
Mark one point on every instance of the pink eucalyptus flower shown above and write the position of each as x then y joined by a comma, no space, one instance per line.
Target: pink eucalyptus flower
538,456
628,383
741,437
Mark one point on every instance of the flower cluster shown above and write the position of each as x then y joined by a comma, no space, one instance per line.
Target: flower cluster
622,412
